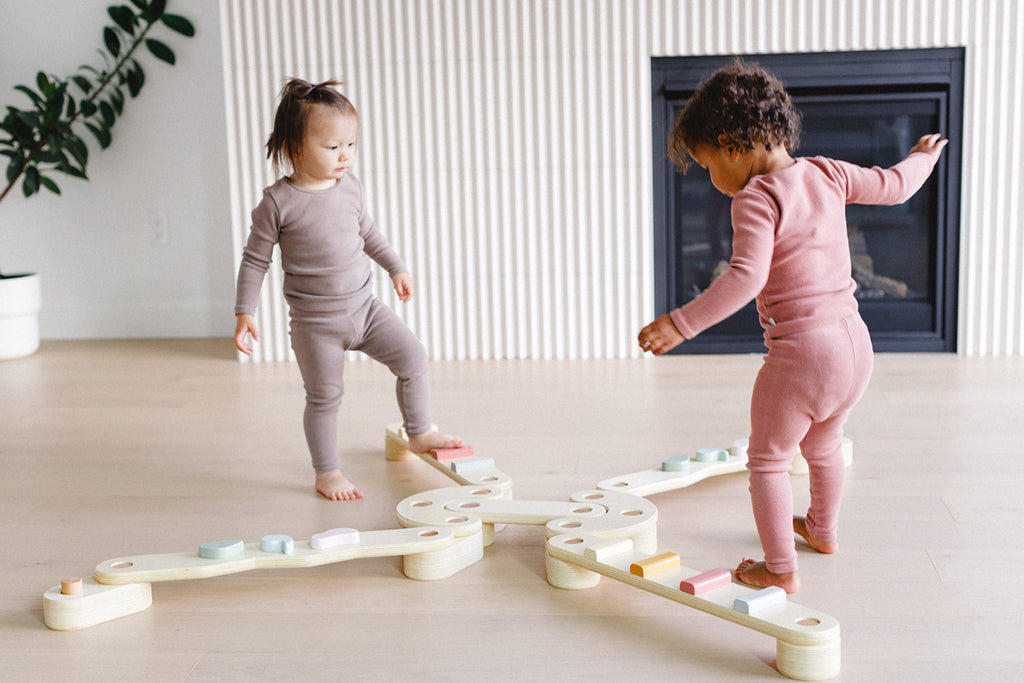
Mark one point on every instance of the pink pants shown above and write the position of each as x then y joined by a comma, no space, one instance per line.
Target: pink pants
802,397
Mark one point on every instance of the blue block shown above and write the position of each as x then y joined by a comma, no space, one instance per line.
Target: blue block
277,543
760,601
712,455
222,550
677,463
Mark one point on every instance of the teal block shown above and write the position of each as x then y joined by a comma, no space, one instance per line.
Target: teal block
222,550
712,455
277,543
677,463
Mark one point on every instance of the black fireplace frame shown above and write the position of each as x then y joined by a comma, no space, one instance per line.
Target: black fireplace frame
808,75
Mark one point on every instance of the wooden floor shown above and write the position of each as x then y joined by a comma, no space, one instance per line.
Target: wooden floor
116,448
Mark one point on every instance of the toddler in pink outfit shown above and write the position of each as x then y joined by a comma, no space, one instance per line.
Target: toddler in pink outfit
790,252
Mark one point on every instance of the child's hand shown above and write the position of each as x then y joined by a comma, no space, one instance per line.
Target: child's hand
929,144
245,324
660,336
403,286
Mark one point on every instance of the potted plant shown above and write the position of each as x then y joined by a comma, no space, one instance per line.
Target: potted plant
45,138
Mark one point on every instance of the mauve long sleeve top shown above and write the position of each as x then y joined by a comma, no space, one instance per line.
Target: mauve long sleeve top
790,249
326,237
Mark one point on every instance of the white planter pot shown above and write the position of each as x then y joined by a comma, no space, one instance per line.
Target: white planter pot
20,301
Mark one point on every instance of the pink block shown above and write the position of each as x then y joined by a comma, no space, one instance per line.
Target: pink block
444,454
702,583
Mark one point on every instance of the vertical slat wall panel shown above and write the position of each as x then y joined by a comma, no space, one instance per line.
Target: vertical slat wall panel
506,148
503,149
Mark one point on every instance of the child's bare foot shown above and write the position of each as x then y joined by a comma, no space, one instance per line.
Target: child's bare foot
757,574
827,547
428,441
333,486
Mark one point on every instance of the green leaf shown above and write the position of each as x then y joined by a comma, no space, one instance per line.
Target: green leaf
155,10
141,4
160,50
56,105
112,41
84,84
117,100
42,82
179,23
49,184
123,17
107,113
76,148
101,133
134,83
88,108
14,169
31,183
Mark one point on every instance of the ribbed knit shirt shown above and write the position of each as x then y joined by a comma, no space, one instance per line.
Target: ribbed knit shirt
326,237
790,249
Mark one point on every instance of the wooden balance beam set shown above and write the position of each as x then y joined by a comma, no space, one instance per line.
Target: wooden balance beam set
607,531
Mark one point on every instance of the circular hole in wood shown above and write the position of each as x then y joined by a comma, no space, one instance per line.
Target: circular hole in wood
488,479
481,492
582,511
593,496
573,541
570,525
468,506
632,513
620,484
428,533
124,564
456,520
808,621
422,504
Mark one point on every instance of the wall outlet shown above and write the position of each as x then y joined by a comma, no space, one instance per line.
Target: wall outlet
158,227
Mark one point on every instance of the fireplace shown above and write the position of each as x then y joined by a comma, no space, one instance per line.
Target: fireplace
865,107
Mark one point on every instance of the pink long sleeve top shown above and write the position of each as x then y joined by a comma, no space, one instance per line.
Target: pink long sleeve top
790,249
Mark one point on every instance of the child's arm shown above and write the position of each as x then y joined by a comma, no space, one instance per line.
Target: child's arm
245,324
403,286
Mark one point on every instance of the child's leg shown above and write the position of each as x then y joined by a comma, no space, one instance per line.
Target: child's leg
779,419
319,343
388,340
822,447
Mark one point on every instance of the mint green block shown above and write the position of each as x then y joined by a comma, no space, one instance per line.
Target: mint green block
277,543
712,455
677,463
222,550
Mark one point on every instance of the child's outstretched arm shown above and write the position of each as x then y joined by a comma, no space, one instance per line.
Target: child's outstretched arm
929,144
245,324
403,286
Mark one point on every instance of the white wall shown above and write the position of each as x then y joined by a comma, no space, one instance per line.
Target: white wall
104,275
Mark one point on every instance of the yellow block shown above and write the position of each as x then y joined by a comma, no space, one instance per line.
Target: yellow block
653,565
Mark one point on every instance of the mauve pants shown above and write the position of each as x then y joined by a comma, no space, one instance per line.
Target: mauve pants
803,394
320,341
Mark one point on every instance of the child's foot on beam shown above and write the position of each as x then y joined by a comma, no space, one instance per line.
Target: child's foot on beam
428,441
755,573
